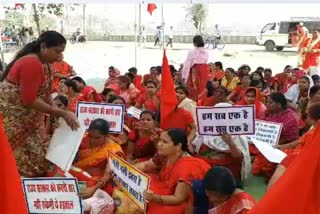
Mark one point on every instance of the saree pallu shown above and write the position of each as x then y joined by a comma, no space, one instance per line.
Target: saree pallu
62,68
185,169
197,80
25,128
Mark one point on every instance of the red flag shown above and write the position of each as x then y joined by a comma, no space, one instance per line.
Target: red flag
168,101
11,193
298,190
151,8
17,5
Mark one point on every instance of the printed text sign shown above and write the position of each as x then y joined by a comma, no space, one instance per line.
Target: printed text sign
267,132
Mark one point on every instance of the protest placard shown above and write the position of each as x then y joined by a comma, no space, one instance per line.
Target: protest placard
268,132
134,112
52,195
235,120
64,145
131,181
269,152
113,113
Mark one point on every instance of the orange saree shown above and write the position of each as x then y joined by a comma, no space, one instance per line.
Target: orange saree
185,169
62,68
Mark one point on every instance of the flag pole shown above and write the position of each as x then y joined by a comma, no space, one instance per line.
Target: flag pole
162,26
135,35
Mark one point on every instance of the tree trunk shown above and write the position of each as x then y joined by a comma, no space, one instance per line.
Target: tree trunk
36,17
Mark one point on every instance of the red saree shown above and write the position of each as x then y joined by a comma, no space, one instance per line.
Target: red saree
144,147
197,80
62,68
239,203
90,95
311,59
185,169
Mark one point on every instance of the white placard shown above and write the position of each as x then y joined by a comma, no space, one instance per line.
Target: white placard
268,132
52,195
64,145
235,120
113,113
134,112
272,154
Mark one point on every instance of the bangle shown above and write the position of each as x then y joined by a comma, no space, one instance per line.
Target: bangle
160,199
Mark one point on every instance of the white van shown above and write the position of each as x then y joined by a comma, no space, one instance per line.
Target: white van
283,34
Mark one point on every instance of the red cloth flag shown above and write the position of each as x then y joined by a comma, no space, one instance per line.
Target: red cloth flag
151,8
298,190
11,194
16,6
168,100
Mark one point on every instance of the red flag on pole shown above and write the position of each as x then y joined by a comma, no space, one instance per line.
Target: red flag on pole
298,190
151,8
11,193
168,101
17,5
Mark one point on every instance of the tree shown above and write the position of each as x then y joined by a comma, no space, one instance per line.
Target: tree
197,13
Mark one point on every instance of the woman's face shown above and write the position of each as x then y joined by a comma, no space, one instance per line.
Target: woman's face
256,76
272,106
110,94
315,34
151,89
63,88
216,198
267,75
153,72
123,85
96,138
59,104
219,95
215,84
52,54
180,95
246,80
147,122
118,102
316,97
245,71
80,85
166,147
228,74
303,84
250,97
111,72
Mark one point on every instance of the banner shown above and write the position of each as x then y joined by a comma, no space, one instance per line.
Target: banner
113,113
52,195
268,132
131,181
235,120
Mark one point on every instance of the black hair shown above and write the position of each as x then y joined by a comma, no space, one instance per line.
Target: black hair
113,98
278,97
130,76
251,90
259,69
73,85
63,78
268,70
219,64
159,69
183,88
313,90
111,68
179,136
315,78
287,67
62,99
153,114
101,125
222,88
133,70
231,70
220,180
314,111
198,41
257,72
153,67
79,79
255,83
145,83
106,91
306,78
49,39
125,80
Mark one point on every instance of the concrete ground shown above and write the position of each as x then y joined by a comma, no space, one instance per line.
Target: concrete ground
91,60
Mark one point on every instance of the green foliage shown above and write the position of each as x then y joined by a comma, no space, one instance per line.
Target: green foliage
15,18
197,13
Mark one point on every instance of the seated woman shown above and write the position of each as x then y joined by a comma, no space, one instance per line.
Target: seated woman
93,157
89,93
61,102
207,95
127,91
278,112
228,151
221,190
314,117
150,99
238,92
62,70
298,91
114,73
219,96
74,96
106,94
251,97
271,81
262,87
230,80
184,102
140,146
170,191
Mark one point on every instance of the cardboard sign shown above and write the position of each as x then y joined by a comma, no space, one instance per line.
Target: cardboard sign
114,114
268,132
235,120
131,181
134,112
52,195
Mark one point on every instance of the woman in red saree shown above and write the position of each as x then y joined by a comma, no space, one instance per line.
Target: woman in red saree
140,146
74,96
127,91
62,70
271,81
114,73
284,79
89,94
216,71
25,100
150,99
311,53
221,189
93,157
170,191
252,97
239,91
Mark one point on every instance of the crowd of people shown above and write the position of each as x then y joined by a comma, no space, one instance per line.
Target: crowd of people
39,87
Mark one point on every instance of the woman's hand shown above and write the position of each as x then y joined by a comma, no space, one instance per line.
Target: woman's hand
87,193
155,134
71,120
149,196
226,137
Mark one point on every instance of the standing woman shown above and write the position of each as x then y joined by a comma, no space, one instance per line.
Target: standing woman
25,99
195,69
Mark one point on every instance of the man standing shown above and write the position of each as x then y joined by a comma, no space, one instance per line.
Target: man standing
158,36
170,35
